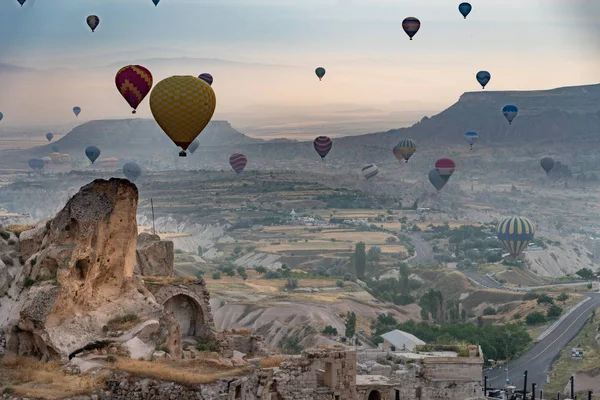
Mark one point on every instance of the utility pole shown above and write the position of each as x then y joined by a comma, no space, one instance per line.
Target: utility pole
572,379
152,205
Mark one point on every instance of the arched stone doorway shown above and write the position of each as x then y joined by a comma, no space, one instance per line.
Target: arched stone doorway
187,312
374,395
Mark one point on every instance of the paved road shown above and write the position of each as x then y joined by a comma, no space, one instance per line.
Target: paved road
423,251
539,358
482,279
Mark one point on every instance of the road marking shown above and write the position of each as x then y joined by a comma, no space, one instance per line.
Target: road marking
596,304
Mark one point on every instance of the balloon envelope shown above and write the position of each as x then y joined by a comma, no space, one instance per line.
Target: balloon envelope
55,156
405,149
49,136
471,137
92,152
436,180
483,77
21,2
93,21
206,78
369,171
134,83
515,234
36,163
1,116
445,167
55,148
320,72
465,9
411,26
156,2
182,107
194,146
132,171
238,162
76,111
323,145
510,112
547,163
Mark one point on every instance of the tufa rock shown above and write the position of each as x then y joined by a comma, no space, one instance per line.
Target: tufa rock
155,257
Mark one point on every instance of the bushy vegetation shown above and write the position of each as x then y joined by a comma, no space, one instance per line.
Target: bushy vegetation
330,331
493,339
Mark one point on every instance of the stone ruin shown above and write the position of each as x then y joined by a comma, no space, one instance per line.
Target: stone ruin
62,282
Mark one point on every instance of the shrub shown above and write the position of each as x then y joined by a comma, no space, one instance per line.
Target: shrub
340,284
517,316
111,359
5,235
330,330
207,346
8,390
29,282
216,275
489,311
260,270
545,299
554,311
530,296
534,318
272,275
123,321
48,224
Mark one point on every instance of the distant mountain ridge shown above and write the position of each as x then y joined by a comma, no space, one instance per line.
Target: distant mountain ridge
547,119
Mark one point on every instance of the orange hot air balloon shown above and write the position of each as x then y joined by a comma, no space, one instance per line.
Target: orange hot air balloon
134,83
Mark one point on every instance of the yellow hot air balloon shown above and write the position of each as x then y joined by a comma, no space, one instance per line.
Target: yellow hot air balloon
55,157
182,106
65,158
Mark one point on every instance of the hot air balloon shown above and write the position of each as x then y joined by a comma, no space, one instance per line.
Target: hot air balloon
1,116
483,77
547,164
465,9
47,160
369,171
76,110
93,21
21,2
182,106
471,138
55,148
92,152
206,78
515,234
436,180
445,167
510,112
55,156
405,149
323,145
134,83
194,146
132,171
65,158
320,72
411,26
238,162
155,2
36,163
49,136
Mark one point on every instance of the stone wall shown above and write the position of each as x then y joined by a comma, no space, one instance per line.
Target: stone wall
250,345
196,295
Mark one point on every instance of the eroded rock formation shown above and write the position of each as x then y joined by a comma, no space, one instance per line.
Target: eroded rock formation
64,281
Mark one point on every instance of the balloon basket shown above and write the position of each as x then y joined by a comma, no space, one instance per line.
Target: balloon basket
182,154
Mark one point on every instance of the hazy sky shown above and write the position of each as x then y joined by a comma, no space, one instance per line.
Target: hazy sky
370,62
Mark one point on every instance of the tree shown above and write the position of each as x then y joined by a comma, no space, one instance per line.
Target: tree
216,275
360,260
291,284
586,273
350,324
554,311
489,311
534,318
330,330
544,298
260,269
563,297
374,254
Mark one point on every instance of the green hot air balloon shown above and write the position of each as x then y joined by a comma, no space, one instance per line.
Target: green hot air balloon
320,72
92,152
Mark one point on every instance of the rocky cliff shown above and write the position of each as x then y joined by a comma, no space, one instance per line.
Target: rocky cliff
64,283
